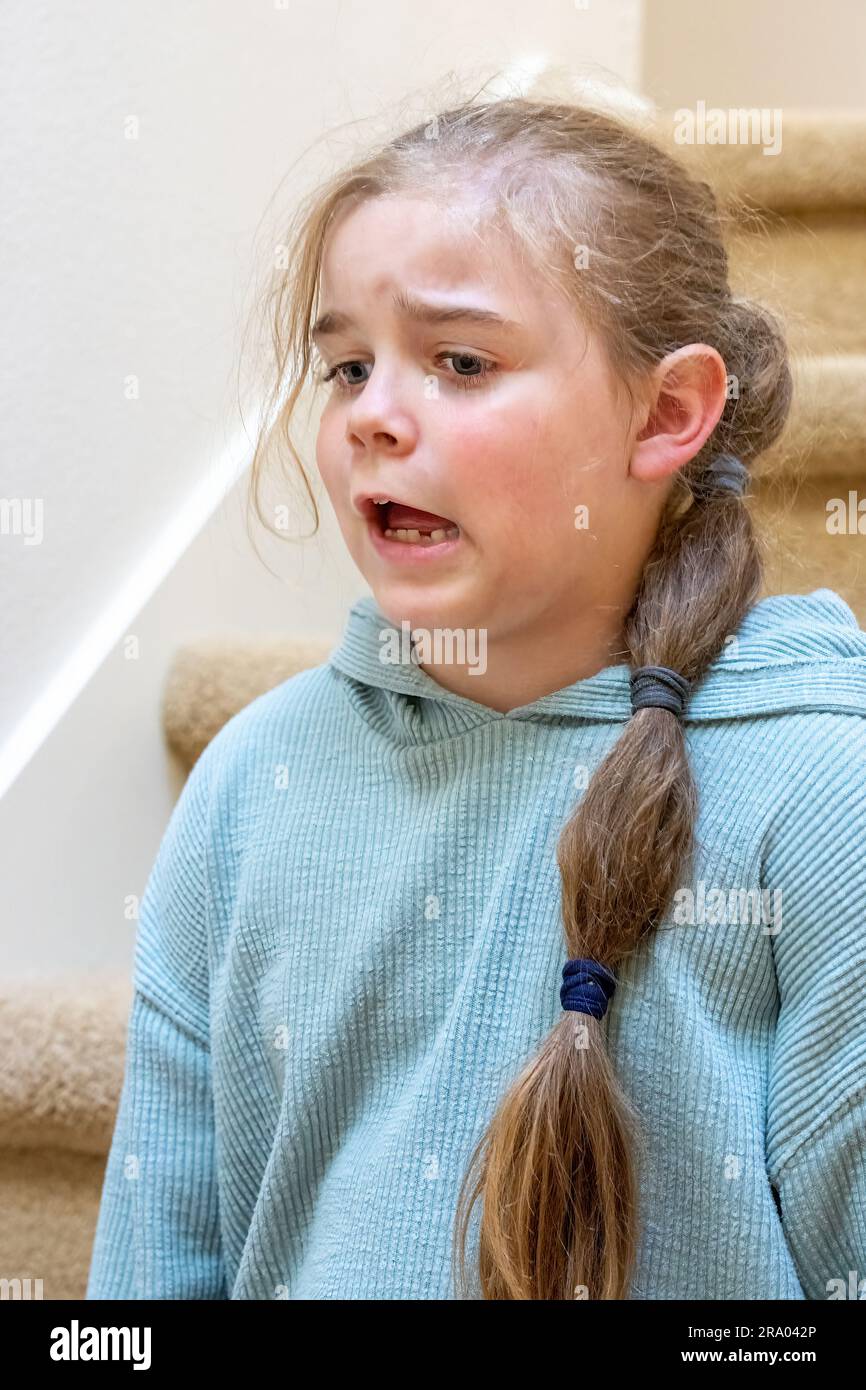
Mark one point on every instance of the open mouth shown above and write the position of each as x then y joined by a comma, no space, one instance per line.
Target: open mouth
397,521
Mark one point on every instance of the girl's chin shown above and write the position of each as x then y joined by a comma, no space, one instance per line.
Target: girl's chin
437,607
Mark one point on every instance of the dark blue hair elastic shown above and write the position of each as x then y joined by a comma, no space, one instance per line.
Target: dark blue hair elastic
587,985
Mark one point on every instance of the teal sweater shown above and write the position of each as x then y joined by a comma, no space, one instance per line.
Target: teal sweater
350,943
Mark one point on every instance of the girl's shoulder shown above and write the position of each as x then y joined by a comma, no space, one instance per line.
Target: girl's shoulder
816,626
793,654
278,720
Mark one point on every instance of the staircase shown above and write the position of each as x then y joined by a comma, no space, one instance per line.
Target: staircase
800,248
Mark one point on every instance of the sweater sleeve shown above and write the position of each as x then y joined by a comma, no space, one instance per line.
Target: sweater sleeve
815,860
158,1229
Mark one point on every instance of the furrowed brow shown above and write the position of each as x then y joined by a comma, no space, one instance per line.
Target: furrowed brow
334,321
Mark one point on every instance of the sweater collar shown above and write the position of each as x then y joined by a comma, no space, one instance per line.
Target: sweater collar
793,652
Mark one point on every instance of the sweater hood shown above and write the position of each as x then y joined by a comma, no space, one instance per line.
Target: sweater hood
793,652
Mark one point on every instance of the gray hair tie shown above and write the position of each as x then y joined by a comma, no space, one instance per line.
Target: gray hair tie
659,687
726,473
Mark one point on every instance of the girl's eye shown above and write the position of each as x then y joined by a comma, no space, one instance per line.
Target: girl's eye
336,375
478,369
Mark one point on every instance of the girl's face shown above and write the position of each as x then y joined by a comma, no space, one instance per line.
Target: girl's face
503,417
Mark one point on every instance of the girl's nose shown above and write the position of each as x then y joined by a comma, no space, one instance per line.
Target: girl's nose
380,416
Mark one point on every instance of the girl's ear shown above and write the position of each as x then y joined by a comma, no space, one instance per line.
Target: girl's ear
688,390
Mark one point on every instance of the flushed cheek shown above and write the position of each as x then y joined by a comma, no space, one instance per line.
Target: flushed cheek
337,485
330,442
535,509
497,432
490,470
323,461
506,493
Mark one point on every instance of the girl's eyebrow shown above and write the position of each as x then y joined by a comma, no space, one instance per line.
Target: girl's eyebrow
335,321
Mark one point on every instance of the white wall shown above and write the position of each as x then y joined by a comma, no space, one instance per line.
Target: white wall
133,257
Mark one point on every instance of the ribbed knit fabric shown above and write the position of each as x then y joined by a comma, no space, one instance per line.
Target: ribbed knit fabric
351,943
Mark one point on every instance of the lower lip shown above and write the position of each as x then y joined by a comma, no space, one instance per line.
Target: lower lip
409,552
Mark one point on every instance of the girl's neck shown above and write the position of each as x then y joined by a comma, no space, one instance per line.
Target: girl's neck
515,669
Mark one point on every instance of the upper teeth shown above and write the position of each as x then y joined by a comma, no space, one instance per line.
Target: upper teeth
381,501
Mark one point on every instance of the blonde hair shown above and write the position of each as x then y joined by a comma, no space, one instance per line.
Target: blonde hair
555,1168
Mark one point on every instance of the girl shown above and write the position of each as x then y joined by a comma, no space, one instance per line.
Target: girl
516,951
